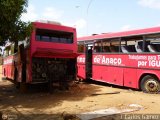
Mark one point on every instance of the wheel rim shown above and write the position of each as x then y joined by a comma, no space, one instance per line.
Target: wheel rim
152,86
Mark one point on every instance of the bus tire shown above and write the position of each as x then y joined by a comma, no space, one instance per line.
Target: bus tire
150,84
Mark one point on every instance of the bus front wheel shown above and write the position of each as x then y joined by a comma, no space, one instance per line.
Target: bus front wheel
150,84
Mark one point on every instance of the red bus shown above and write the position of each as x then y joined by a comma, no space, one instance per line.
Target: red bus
48,55
129,58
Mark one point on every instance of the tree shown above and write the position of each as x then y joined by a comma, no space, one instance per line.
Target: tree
11,27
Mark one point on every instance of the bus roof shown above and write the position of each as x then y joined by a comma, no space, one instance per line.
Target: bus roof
137,32
50,25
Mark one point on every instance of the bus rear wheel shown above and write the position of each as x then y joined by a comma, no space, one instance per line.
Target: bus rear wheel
150,84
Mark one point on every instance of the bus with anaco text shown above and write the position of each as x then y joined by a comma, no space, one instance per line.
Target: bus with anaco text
126,58
48,56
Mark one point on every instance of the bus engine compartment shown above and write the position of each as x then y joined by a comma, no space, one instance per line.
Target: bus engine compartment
56,70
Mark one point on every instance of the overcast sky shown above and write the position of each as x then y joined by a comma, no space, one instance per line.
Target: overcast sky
96,16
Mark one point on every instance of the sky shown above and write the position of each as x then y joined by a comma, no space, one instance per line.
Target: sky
96,16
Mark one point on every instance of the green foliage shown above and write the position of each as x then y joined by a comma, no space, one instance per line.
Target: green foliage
11,27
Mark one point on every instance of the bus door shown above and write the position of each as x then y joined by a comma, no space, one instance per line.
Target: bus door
88,56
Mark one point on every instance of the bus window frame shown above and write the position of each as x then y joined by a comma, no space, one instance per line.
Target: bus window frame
144,39
99,42
81,43
110,41
135,38
9,47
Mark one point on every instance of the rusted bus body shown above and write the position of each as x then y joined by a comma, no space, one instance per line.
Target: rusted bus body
50,53
130,58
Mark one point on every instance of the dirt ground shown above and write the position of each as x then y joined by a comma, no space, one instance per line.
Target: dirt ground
38,104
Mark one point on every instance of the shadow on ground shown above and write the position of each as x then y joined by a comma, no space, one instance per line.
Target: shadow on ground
38,97
110,85
37,103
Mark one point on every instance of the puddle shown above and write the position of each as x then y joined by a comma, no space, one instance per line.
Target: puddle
109,111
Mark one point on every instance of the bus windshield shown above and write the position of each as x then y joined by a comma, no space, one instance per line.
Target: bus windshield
54,36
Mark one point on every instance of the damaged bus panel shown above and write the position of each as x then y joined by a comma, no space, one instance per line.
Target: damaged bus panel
48,56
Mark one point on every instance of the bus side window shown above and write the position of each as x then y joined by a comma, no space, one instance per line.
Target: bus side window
12,49
138,47
38,37
45,38
125,49
128,49
132,48
154,45
63,40
114,48
81,48
6,53
157,46
9,52
151,48
54,39
106,49
70,40
97,49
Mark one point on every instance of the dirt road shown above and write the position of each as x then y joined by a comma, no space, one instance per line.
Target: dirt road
78,99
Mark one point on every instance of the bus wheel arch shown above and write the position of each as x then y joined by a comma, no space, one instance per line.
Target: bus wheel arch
149,83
